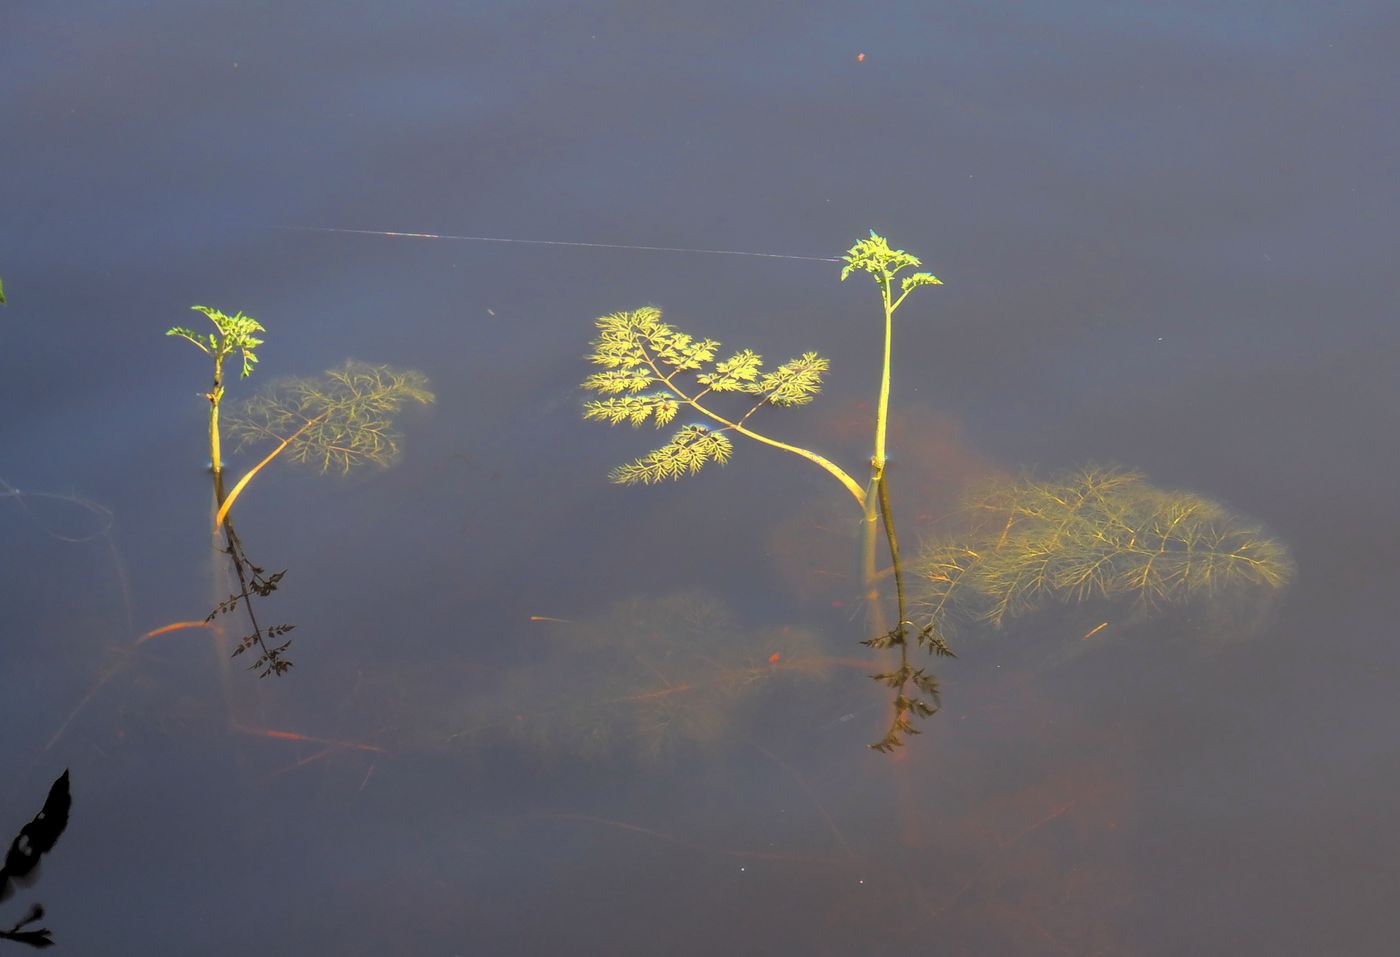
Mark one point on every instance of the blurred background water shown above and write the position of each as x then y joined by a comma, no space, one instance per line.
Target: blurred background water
1165,233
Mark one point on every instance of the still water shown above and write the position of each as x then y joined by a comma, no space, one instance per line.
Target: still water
532,712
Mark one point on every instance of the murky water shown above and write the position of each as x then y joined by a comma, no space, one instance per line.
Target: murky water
533,712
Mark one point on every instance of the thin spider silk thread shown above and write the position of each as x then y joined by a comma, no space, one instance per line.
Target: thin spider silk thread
550,242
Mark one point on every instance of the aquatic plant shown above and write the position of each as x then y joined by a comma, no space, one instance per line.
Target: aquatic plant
639,352
340,421
1094,534
253,581
2,292
233,334
649,678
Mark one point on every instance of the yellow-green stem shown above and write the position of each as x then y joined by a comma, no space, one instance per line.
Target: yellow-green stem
831,467
870,502
216,462
234,492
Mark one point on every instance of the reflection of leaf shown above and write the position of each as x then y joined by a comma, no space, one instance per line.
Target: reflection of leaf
342,420
650,677
1096,534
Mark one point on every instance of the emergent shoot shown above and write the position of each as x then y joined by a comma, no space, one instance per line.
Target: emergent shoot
639,352
235,334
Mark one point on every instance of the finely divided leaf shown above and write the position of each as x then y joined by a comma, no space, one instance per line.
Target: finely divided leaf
344,419
875,256
633,408
738,373
919,279
688,451
795,382
683,351
613,381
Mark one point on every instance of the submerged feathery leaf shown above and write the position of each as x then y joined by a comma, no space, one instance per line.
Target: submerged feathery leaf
1096,534
339,421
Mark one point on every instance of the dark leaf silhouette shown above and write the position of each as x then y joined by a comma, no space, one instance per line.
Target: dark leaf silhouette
34,840
34,938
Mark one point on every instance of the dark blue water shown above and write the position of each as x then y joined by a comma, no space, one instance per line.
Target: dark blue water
1166,240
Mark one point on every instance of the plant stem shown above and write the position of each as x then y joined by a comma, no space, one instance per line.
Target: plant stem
877,463
227,502
888,517
215,394
871,501
831,467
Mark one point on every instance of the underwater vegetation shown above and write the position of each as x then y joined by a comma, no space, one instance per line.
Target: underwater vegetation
340,421
1095,534
1099,533
648,679
639,352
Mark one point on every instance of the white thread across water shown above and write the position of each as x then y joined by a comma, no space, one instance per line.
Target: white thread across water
551,242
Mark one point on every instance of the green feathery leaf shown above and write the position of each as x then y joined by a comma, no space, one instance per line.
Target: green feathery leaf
614,381
685,454
208,346
683,351
1097,534
919,279
633,408
337,422
875,256
235,335
795,382
738,373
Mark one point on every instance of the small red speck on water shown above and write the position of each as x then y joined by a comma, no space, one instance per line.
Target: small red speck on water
838,603
773,658
860,57
520,717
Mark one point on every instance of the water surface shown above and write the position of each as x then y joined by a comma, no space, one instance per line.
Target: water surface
1164,235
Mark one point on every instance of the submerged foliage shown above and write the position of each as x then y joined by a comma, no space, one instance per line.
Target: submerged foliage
337,422
1095,534
340,421
651,677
